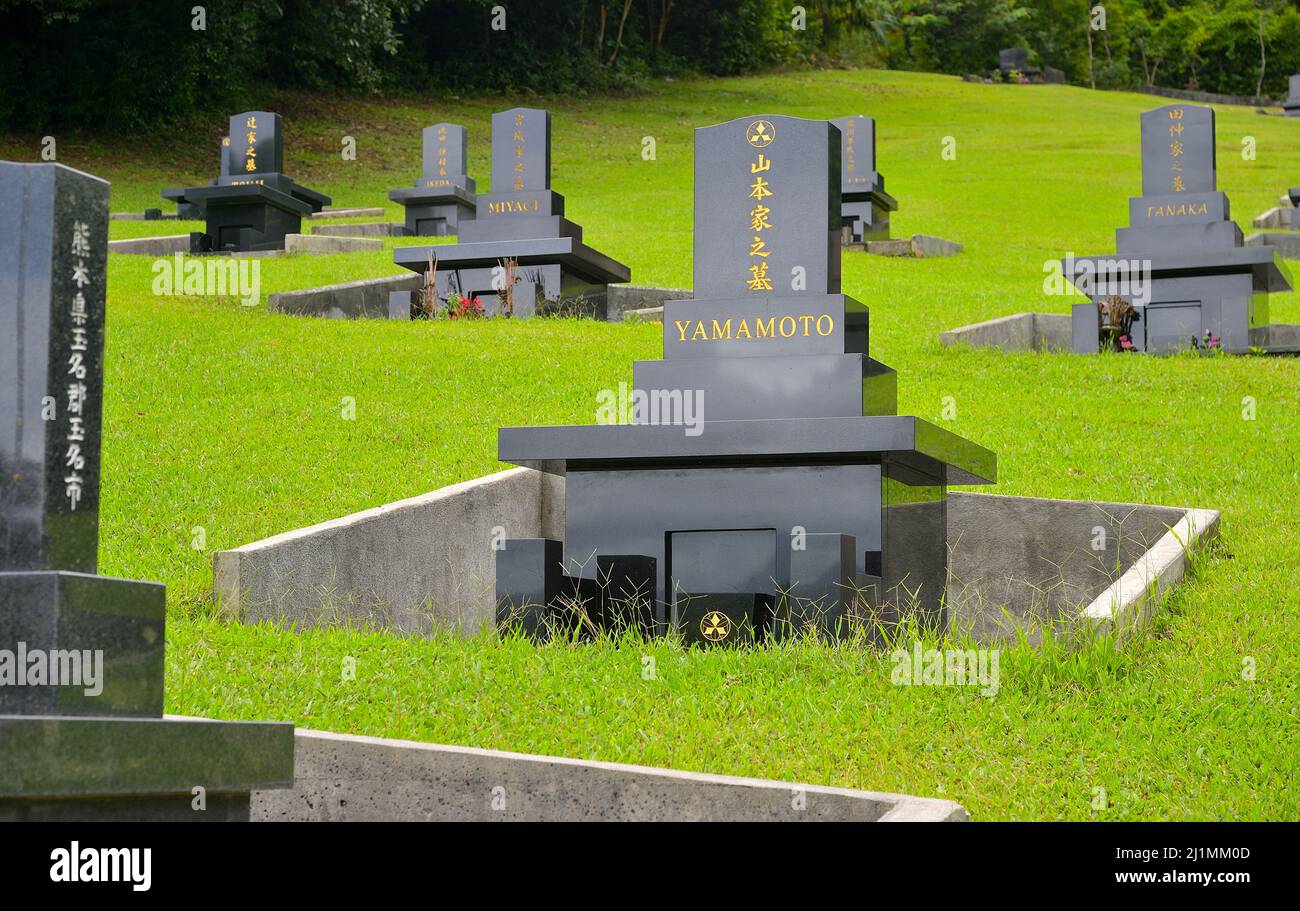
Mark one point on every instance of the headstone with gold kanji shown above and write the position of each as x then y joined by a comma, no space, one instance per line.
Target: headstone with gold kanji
1178,150
256,145
1181,267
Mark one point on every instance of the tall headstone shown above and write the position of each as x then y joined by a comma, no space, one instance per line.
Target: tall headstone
1181,263
256,146
865,205
519,236
443,196
53,270
1178,150
81,655
765,485
252,204
521,150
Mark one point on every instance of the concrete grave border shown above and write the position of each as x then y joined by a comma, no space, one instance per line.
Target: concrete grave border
1017,332
428,561
919,246
171,244
353,778
1052,332
368,299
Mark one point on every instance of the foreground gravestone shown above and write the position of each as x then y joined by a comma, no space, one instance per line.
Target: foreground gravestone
252,205
864,203
1291,106
519,255
444,194
81,655
765,485
1181,277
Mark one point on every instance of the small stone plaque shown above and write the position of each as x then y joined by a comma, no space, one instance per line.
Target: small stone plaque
521,150
766,221
1178,150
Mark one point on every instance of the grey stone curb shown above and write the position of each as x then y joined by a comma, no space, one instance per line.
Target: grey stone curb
345,778
1127,604
1017,332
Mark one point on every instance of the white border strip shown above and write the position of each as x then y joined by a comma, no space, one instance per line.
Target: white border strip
1127,603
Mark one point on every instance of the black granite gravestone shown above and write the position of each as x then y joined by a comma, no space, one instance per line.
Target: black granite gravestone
1180,264
252,205
521,220
81,655
865,205
1015,60
1291,105
765,485
444,195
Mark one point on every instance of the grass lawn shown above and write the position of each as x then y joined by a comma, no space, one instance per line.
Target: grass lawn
228,419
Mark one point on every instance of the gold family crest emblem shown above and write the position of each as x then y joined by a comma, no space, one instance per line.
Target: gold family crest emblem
715,626
760,134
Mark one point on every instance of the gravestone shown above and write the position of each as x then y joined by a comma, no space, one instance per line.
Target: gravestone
81,654
252,205
443,196
1014,60
519,255
765,485
1291,105
1181,264
865,205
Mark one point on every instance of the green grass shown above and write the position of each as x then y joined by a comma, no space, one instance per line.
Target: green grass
228,418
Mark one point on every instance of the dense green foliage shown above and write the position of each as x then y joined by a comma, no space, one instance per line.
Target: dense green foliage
108,64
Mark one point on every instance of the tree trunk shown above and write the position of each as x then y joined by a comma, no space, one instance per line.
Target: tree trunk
618,41
665,9
1263,62
1092,78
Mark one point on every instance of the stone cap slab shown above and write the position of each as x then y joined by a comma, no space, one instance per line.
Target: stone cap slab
583,260
909,441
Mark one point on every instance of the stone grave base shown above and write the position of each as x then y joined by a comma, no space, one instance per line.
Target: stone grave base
368,299
349,778
74,769
170,244
361,229
354,212
1287,244
1052,332
420,563
919,246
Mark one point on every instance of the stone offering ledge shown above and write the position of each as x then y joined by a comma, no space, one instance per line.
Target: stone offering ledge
368,299
1053,332
919,246
355,212
1032,557
315,243
349,778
